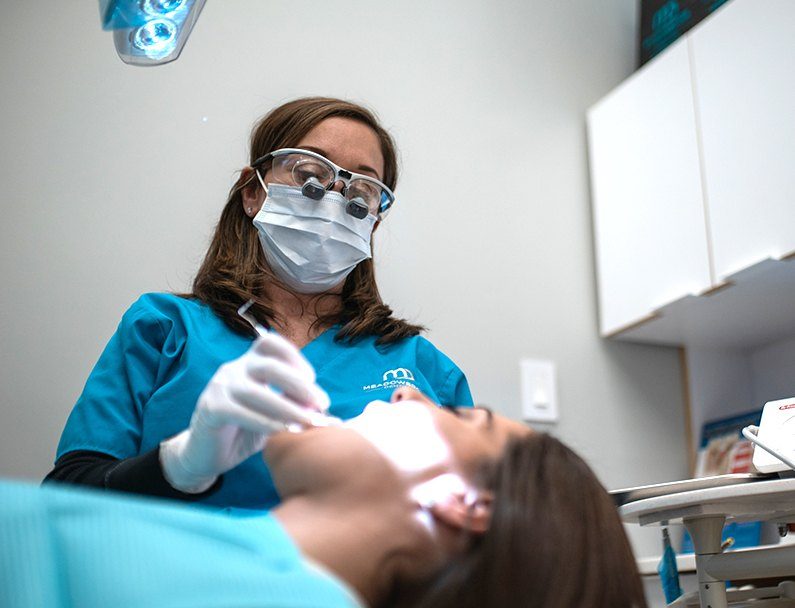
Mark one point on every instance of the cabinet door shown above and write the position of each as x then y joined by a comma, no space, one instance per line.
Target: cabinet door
649,226
744,74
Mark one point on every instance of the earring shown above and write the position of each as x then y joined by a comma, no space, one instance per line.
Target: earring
250,209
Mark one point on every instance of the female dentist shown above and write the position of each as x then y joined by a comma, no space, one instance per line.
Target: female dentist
183,395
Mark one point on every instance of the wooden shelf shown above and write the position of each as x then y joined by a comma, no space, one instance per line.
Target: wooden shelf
753,307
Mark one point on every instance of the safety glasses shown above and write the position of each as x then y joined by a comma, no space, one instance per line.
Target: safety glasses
315,174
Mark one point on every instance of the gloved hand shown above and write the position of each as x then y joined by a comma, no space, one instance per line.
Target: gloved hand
246,400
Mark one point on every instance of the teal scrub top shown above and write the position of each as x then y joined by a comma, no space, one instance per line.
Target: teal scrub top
64,547
146,383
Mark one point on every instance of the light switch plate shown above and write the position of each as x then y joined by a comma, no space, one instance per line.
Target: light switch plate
539,392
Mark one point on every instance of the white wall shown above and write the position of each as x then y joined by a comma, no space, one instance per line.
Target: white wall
113,177
728,382
771,367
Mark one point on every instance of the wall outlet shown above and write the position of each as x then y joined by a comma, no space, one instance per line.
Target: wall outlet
539,393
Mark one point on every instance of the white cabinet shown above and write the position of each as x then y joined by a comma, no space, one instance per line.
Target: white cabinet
744,66
692,171
693,185
651,244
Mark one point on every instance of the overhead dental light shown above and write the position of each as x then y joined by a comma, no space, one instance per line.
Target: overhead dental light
149,32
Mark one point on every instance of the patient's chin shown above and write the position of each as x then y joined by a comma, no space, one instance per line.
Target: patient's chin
326,458
314,450
277,445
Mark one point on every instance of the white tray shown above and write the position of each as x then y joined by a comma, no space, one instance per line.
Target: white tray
626,495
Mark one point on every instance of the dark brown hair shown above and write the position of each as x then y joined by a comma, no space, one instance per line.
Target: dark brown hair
234,269
555,539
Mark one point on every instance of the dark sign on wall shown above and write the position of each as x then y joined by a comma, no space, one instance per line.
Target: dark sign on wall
663,21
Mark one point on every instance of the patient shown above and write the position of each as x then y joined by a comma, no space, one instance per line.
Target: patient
409,504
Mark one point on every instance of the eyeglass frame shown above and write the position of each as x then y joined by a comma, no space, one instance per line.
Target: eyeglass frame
340,174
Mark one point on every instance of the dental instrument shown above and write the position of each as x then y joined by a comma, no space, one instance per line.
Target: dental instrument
317,419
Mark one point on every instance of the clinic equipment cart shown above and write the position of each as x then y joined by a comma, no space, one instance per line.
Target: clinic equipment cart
704,511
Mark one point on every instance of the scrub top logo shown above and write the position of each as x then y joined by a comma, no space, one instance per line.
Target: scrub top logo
400,373
393,378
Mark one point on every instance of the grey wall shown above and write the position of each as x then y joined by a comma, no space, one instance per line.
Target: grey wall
113,177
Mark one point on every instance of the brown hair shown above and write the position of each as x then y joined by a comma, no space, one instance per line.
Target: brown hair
234,269
555,539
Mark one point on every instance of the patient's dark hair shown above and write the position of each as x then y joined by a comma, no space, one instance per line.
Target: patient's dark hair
555,539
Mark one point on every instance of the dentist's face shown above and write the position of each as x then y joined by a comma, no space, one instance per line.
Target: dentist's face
408,438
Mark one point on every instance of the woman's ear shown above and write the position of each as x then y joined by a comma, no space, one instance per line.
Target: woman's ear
470,511
251,193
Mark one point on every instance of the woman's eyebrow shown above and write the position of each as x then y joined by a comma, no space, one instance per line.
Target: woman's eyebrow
314,149
365,168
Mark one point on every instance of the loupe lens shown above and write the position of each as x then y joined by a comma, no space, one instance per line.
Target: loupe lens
357,208
313,189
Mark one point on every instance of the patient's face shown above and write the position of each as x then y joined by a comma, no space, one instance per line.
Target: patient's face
410,436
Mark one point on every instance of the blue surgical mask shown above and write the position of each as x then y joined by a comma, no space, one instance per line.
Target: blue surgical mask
311,245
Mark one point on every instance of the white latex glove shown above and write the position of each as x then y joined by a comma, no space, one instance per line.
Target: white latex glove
246,400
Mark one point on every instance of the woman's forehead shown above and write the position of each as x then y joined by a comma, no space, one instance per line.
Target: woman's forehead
347,142
513,428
